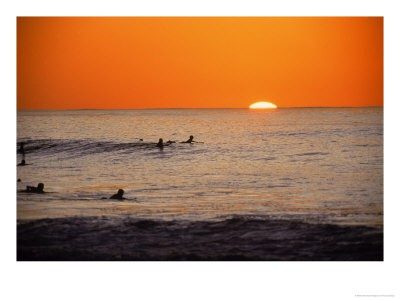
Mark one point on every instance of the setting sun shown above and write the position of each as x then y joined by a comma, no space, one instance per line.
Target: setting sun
263,105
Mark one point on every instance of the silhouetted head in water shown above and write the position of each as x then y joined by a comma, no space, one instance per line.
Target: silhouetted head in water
22,163
190,139
160,143
19,180
40,188
118,195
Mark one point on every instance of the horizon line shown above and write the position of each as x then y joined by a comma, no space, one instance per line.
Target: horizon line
159,108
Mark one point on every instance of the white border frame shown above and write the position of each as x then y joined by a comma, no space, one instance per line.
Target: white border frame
221,280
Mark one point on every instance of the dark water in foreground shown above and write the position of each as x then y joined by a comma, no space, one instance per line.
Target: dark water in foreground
286,184
237,238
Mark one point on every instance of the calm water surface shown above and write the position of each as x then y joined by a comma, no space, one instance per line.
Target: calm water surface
314,165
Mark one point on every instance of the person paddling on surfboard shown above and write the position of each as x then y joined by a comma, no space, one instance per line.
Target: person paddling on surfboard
190,140
33,189
118,195
22,163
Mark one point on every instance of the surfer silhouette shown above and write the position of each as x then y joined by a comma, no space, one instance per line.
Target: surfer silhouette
22,163
33,189
21,150
160,144
190,140
118,195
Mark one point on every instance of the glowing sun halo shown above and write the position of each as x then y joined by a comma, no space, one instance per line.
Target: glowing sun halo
263,105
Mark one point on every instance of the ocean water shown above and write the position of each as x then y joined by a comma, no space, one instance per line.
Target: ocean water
319,166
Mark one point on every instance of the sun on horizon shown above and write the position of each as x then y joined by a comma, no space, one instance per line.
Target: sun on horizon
262,105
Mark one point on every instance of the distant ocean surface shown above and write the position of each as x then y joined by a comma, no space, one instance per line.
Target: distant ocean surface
304,166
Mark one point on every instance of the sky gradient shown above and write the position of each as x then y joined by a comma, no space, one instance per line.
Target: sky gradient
146,62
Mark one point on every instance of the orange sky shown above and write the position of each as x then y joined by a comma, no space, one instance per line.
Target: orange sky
127,63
